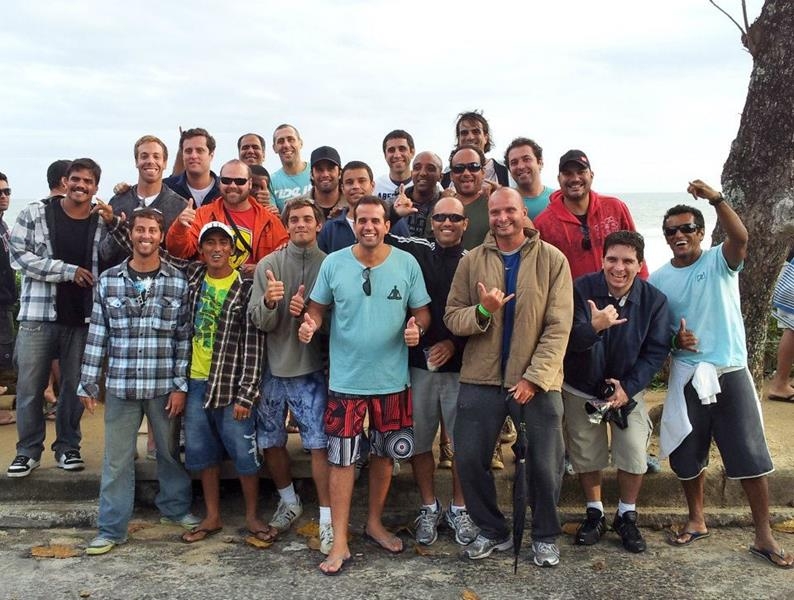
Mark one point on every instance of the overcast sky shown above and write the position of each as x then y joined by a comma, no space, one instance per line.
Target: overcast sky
652,91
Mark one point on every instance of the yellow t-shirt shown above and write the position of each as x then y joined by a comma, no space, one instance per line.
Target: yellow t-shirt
211,299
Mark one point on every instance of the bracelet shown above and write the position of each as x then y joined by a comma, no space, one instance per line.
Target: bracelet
482,310
718,200
672,342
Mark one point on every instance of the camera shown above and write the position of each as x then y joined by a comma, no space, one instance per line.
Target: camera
600,411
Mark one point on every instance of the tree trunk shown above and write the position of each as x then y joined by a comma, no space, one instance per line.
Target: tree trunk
758,177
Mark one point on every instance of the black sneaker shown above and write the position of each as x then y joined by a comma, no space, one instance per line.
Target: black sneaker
592,528
21,466
626,528
71,461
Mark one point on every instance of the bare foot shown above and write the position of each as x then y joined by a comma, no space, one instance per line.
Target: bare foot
261,531
202,531
379,535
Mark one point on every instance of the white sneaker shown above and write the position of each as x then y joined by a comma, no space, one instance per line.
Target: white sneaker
545,554
189,521
71,461
286,514
21,466
326,538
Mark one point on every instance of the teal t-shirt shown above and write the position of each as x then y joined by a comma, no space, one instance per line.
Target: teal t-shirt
706,294
290,186
368,352
536,204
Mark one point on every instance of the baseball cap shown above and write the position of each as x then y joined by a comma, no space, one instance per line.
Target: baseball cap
575,156
215,226
325,153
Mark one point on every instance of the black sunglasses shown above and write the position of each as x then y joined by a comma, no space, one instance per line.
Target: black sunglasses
473,167
367,285
685,228
441,217
586,243
5,191
235,180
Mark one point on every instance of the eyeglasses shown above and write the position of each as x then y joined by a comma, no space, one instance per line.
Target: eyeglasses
235,180
586,243
473,167
367,285
685,228
453,218
5,192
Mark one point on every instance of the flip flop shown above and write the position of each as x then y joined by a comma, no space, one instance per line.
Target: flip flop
772,556
780,398
381,543
265,535
205,533
676,539
342,562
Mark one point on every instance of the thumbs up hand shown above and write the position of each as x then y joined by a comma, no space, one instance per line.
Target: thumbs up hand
275,290
685,339
297,302
411,334
188,215
307,329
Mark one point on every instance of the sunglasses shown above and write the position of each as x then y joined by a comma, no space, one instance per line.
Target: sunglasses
453,218
586,243
367,285
685,228
5,192
236,180
473,167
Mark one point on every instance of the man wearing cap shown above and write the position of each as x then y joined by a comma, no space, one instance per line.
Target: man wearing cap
398,150
326,192
257,231
578,220
293,178
140,323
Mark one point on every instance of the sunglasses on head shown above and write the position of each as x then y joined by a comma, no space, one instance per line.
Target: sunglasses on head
586,243
685,228
453,218
5,191
367,285
235,180
473,167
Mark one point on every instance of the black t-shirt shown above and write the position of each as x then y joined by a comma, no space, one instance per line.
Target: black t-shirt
142,281
73,246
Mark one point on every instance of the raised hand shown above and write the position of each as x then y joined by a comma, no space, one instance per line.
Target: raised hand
104,211
297,303
685,339
275,290
411,334
604,318
402,204
493,299
307,329
188,215
700,189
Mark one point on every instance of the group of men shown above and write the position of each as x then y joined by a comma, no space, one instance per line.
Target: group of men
436,300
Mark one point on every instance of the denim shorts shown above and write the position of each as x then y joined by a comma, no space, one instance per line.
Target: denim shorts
306,396
213,433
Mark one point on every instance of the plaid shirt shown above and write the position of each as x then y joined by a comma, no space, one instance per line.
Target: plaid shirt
238,353
30,247
148,344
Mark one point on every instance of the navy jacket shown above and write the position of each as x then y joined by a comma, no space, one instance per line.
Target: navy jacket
178,183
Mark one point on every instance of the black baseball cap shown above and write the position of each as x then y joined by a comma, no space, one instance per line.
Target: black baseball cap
575,156
325,153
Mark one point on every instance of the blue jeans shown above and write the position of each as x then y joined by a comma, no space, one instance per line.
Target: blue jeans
38,343
117,493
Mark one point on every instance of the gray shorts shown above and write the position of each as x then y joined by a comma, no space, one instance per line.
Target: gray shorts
435,397
734,422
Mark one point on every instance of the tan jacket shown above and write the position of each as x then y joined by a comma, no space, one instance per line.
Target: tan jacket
543,315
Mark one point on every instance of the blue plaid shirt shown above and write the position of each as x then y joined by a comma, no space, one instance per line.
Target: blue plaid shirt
148,343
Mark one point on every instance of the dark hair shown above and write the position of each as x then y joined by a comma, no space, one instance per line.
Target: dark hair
3,177
147,213
682,209
259,171
284,126
356,164
372,201
399,134
522,141
196,132
57,171
79,164
150,138
240,140
301,202
632,239
474,115
479,152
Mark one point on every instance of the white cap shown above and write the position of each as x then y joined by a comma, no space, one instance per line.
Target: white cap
212,226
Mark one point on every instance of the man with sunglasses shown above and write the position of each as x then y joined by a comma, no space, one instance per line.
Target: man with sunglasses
466,168
372,287
711,392
257,231
578,220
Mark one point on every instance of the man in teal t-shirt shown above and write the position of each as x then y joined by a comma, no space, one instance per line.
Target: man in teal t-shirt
524,159
293,179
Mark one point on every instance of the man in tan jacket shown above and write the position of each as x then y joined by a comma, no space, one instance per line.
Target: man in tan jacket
512,296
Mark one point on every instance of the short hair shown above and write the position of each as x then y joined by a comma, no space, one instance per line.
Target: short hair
240,140
632,239
301,202
372,201
259,171
150,138
523,141
436,158
284,125
356,164
147,213
236,161
399,134
3,177
196,132
479,152
57,171
88,164
682,209
474,115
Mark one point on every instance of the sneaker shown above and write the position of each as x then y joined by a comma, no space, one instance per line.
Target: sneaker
465,529
497,462
100,545
592,528
482,547
21,466
508,434
545,554
326,538
626,528
71,461
188,521
444,455
285,515
426,525
653,464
